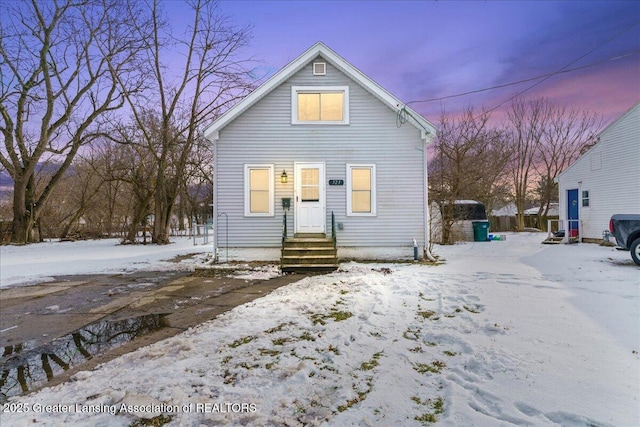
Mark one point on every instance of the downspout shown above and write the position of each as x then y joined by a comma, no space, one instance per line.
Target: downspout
579,211
214,142
426,138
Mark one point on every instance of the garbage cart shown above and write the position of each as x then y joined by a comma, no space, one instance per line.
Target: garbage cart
481,231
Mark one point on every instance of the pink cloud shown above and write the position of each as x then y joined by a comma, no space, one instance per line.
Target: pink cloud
610,91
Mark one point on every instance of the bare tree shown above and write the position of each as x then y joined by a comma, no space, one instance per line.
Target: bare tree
196,194
546,138
133,163
65,66
565,134
60,215
527,121
84,189
106,159
468,163
192,79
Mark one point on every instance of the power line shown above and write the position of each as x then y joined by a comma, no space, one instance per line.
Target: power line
618,34
522,81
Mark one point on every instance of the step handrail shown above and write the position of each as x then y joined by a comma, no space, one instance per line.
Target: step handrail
284,228
333,230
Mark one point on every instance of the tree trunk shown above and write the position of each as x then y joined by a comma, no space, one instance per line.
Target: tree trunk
138,215
162,221
519,214
181,213
25,213
74,219
21,225
165,225
162,209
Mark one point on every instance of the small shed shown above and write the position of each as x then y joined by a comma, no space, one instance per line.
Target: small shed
465,213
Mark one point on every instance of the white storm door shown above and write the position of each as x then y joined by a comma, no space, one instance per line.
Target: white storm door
309,198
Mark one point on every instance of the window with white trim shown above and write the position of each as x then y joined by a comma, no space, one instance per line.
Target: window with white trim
258,190
320,104
361,190
585,198
319,68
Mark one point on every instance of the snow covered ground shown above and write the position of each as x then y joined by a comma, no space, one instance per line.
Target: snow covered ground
37,263
503,333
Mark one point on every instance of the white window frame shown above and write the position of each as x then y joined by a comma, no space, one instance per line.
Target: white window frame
295,90
586,200
247,190
371,166
319,68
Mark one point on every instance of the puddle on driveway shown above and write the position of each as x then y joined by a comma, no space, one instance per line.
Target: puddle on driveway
24,366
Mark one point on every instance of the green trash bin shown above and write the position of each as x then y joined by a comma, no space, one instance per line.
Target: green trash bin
481,231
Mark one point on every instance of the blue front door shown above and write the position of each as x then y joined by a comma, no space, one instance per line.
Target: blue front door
572,212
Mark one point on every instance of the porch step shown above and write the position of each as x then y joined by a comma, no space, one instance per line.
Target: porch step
309,259
553,240
559,240
301,268
313,242
308,253
310,235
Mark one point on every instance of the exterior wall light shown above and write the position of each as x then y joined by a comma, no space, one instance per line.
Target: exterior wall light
283,177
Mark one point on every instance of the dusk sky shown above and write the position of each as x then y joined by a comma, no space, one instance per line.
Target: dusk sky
421,50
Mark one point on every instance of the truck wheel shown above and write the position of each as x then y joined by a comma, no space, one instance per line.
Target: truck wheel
635,251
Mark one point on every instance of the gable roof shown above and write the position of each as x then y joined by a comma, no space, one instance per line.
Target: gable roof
619,119
320,49
597,144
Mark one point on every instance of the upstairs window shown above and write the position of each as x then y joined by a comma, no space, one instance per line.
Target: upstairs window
320,105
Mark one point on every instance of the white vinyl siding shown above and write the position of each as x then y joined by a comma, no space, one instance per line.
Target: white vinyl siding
609,172
320,105
361,190
259,194
319,68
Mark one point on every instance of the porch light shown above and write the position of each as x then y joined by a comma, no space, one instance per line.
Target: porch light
283,177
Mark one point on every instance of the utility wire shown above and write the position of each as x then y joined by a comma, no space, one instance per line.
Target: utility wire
618,34
522,81
403,114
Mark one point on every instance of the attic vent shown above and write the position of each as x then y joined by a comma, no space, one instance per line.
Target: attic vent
319,68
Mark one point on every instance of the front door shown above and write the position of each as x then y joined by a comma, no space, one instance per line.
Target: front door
309,198
572,212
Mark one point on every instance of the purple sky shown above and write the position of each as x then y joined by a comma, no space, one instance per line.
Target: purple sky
428,49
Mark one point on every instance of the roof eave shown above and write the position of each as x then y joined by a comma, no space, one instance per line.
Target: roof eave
428,130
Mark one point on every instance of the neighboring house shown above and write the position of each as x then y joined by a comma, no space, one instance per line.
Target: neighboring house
321,138
603,181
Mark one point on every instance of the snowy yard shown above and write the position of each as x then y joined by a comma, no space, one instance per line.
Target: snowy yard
503,333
